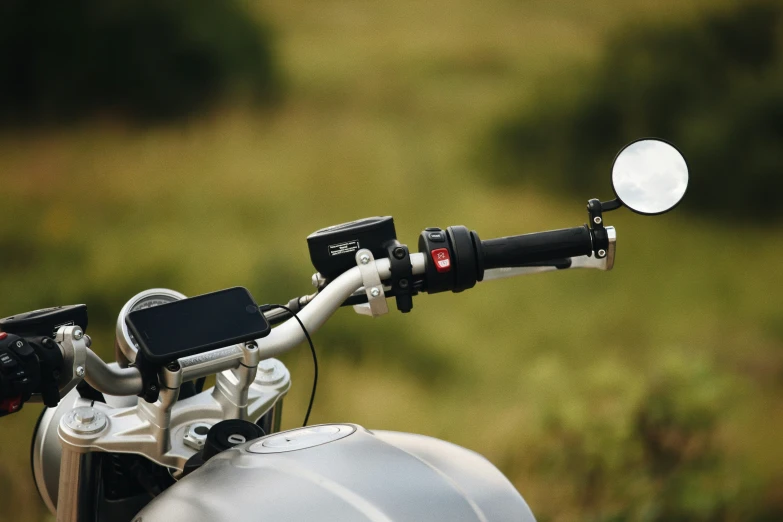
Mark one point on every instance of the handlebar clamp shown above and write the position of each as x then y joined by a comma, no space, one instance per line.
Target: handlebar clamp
401,275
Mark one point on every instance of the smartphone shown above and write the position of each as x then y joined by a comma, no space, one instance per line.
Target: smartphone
196,325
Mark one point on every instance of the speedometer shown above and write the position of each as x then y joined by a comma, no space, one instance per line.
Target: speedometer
125,344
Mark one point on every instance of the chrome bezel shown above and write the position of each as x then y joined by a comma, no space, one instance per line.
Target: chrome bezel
123,336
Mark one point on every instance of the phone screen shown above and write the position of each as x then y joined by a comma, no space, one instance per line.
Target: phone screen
197,325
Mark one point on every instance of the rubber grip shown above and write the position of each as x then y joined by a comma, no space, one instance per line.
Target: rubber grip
539,246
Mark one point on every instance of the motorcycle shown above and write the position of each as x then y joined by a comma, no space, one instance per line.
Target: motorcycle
140,440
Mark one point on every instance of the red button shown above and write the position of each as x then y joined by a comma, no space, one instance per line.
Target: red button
3,335
11,405
442,260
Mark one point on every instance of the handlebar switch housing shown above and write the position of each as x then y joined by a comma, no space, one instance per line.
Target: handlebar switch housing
462,257
20,375
430,240
468,258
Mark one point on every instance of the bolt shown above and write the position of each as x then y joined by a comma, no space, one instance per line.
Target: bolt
398,252
251,345
173,366
597,220
601,253
85,416
85,420
375,292
78,334
364,258
153,388
403,283
80,371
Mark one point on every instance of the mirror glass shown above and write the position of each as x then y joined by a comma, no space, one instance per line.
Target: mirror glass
650,176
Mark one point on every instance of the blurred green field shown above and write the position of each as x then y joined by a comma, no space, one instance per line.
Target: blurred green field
569,382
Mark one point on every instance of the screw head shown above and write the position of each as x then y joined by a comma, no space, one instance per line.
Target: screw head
403,283
78,334
375,292
398,252
597,220
601,253
80,371
364,258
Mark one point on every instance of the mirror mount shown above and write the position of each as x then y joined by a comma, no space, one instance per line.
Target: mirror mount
597,230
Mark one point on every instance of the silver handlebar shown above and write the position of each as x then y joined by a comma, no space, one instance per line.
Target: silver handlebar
127,381
110,379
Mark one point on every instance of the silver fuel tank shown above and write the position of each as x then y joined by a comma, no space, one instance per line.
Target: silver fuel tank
346,473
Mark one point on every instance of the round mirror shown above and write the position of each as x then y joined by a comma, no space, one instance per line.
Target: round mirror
649,176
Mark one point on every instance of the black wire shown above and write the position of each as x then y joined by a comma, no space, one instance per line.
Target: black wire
312,349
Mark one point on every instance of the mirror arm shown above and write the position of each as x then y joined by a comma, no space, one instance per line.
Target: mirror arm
614,204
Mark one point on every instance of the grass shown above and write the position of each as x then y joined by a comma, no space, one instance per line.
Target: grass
545,375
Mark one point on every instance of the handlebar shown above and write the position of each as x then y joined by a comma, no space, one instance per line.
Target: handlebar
481,260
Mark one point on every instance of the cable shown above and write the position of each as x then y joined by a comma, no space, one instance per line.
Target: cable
266,307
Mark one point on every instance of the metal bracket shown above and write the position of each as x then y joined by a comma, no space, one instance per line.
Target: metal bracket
376,297
157,430
597,229
73,345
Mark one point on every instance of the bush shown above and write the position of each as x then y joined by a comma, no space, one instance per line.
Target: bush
139,59
713,87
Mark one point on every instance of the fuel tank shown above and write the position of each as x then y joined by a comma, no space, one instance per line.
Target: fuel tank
346,473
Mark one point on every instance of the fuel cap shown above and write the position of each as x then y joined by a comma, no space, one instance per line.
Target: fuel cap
227,434
302,438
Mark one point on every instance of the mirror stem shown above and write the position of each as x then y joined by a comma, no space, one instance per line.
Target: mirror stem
611,205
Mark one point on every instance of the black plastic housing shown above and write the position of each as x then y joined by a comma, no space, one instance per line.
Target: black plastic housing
45,322
333,249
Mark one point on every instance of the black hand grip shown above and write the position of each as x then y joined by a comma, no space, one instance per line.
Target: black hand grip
540,246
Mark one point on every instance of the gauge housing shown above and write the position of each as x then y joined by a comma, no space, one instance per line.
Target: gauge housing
125,344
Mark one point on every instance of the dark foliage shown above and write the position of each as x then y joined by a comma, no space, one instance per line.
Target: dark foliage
714,88
138,59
